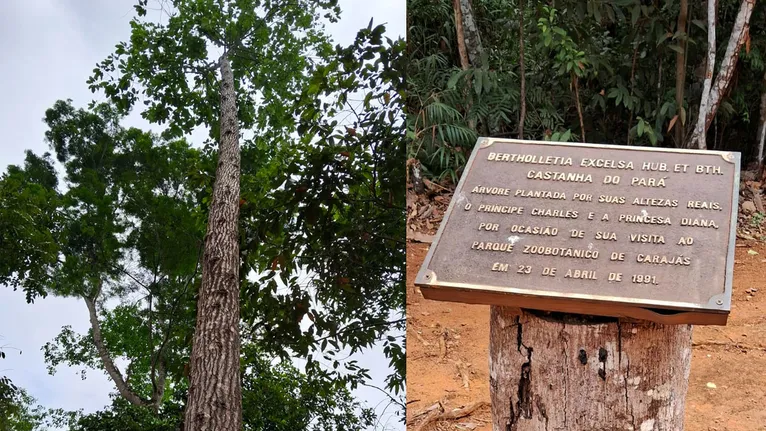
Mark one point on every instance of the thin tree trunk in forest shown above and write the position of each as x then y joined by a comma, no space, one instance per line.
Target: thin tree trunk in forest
580,373
681,71
523,93
698,137
215,390
725,72
659,84
761,135
471,32
460,35
728,65
468,37
579,108
632,87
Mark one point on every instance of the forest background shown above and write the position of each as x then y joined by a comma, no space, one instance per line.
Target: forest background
620,72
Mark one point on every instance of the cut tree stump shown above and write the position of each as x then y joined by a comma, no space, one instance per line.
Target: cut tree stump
554,371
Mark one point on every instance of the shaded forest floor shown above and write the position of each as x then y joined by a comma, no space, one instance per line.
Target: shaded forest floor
448,343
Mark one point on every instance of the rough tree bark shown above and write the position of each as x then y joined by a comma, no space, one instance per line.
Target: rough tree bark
726,71
471,33
523,92
215,391
469,39
415,176
681,70
698,137
761,136
464,64
563,374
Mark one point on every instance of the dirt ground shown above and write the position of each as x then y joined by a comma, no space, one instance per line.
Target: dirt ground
447,347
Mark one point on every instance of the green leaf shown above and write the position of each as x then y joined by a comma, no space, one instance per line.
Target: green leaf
702,25
478,82
653,138
635,12
453,80
663,38
676,48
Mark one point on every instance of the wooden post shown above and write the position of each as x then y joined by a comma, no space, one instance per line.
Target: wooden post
553,371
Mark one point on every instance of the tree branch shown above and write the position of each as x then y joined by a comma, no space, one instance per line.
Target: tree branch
357,326
158,359
106,360
390,397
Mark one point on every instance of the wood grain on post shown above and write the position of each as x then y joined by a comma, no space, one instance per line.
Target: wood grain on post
569,372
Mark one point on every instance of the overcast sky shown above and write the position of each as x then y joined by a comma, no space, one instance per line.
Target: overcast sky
49,48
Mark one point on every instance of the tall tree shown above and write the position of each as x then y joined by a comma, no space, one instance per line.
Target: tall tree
215,390
244,33
141,201
126,224
699,130
128,227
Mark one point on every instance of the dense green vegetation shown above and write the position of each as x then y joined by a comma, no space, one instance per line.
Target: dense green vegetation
619,72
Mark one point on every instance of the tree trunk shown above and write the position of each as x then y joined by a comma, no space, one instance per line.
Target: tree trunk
579,108
728,65
471,32
761,135
416,176
712,99
579,373
699,135
468,35
464,64
681,71
215,390
632,87
523,92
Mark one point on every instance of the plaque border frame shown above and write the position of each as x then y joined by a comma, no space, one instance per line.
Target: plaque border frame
433,288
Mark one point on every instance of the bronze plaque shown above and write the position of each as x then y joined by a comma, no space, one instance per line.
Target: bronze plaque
593,229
